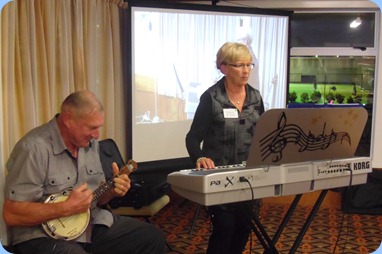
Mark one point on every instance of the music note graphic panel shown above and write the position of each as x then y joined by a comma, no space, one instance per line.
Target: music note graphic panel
305,134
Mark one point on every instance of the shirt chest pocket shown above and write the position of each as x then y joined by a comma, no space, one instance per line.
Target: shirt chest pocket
57,183
92,176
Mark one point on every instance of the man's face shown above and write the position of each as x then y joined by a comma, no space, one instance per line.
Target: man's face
86,128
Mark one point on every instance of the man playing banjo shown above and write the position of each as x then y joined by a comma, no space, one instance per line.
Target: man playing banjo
61,159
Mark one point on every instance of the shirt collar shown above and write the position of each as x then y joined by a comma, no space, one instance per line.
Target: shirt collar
57,141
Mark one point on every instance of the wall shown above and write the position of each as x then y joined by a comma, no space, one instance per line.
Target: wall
3,233
377,146
377,116
311,5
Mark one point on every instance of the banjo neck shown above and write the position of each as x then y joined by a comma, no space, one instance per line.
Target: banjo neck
130,167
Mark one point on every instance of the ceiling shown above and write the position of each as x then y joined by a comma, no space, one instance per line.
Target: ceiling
291,4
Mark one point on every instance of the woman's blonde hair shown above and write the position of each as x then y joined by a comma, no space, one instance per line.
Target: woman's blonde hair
231,52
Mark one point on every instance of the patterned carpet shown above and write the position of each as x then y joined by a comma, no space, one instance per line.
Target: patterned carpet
357,233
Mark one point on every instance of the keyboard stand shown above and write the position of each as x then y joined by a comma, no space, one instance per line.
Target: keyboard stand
306,225
268,244
259,230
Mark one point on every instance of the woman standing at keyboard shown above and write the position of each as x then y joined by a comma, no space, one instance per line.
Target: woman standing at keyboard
225,122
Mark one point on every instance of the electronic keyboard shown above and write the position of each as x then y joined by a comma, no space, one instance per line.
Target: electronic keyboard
233,183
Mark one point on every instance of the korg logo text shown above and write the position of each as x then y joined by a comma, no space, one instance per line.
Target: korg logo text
361,165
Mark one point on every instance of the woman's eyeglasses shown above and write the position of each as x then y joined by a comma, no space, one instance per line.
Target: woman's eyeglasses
242,66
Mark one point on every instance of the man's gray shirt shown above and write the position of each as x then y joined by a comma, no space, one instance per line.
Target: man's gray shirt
41,165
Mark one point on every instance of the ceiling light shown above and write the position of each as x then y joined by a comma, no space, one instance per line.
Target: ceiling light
355,23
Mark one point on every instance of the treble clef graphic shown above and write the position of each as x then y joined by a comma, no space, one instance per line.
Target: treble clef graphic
278,143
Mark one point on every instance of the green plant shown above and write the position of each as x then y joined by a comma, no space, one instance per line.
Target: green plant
350,99
315,96
330,97
358,98
292,97
304,97
340,98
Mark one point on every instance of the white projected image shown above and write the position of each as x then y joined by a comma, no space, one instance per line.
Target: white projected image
173,63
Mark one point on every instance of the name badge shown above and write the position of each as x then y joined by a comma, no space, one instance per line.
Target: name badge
230,113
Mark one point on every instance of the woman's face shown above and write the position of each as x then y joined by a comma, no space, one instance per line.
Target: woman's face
238,72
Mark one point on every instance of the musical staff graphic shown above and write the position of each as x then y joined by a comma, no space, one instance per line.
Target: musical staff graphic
275,142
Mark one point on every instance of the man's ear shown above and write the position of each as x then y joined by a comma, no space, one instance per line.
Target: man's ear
66,119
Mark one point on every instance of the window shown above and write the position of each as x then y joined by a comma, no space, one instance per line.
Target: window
332,30
331,79
330,62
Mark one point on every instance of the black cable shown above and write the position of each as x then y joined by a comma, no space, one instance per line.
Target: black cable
339,233
343,215
347,196
244,179
257,228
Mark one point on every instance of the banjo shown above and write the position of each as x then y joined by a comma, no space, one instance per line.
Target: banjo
70,227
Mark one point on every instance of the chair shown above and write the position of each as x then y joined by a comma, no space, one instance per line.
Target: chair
127,206
145,212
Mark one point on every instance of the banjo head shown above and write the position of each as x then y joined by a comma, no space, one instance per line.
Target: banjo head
69,227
